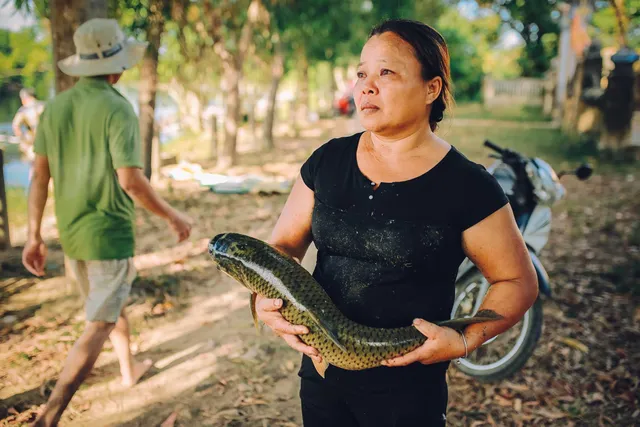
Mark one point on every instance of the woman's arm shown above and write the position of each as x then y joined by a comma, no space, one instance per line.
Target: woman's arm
292,235
497,248
292,232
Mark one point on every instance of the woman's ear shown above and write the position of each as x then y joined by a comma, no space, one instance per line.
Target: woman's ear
434,87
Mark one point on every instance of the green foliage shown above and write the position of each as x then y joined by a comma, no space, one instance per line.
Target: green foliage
39,8
606,26
468,43
534,21
25,60
133,14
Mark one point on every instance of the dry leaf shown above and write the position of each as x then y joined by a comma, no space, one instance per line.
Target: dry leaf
551,414
502,401
251,401
517,405
491,420
595,397
516,387
290,365
574,343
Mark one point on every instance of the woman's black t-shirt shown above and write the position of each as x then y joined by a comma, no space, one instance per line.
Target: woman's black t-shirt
391,254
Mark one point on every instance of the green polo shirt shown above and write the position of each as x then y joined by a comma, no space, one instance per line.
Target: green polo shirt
86,133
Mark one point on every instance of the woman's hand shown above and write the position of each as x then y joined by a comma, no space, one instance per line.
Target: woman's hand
442,344
268,312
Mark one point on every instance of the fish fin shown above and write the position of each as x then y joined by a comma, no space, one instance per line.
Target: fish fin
321,367
461,322
252,303
328,330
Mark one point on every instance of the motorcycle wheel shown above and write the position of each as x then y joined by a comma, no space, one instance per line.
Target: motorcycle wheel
501,356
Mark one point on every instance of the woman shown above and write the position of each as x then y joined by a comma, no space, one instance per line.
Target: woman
393,211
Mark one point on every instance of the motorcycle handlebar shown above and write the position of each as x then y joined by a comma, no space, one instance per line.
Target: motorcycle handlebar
493,146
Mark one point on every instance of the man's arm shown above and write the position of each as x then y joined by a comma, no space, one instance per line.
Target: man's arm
34,254
137,186
38,194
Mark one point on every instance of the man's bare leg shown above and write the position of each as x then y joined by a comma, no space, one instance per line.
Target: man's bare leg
79,363
131,370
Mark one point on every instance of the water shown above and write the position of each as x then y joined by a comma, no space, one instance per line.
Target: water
16,169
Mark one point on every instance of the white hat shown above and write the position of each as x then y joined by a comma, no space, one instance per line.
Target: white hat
101,48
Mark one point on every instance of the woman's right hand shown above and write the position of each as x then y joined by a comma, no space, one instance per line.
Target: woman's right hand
268,312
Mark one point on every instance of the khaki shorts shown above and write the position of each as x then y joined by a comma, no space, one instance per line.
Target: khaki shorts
104,285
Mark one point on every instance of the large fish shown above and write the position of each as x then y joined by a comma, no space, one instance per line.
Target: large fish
341,342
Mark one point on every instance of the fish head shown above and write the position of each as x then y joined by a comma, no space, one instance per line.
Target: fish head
230,252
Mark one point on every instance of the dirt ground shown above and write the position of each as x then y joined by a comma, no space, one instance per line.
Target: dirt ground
212,369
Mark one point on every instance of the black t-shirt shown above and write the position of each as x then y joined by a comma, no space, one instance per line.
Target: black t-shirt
391,254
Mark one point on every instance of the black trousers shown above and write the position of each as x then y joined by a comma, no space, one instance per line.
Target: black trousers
326,405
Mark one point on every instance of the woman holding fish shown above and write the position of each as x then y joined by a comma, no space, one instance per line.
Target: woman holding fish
393,211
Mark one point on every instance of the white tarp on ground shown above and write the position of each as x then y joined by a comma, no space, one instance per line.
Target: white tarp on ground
218,183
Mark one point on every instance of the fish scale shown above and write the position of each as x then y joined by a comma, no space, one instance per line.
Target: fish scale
340,341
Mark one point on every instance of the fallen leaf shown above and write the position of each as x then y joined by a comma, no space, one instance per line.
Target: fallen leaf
551,414
595,397
574,343
490,420
517,405
251,401
516,387
502,401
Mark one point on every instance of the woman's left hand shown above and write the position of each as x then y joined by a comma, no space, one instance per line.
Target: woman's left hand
442,344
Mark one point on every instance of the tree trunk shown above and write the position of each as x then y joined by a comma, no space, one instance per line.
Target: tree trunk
213,148
149,81
66,17
277,70
621,20
156,161
252,119
232,76
302,113
5,238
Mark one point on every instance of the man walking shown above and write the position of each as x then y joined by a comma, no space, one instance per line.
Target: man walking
88,143
27,116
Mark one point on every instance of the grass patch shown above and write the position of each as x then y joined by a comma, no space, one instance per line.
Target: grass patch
190,147
518,113
560,151
17,206
17,203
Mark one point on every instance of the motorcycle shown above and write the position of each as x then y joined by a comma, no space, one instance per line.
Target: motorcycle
532,187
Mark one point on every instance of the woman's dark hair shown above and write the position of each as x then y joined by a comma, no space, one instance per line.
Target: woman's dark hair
432,53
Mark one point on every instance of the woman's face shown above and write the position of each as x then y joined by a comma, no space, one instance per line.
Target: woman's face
390,94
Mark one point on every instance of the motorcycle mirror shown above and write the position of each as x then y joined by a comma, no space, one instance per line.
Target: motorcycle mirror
583,171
